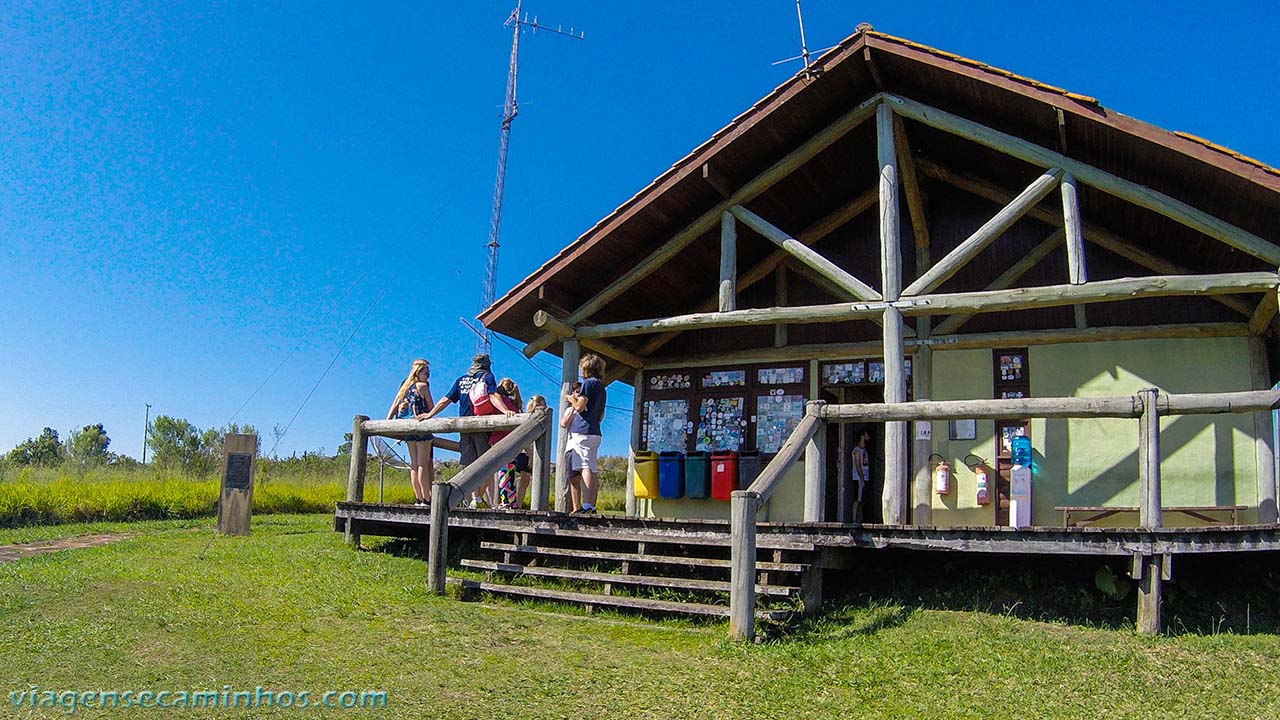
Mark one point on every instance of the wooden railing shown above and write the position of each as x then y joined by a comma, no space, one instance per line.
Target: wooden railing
526,429
1147,406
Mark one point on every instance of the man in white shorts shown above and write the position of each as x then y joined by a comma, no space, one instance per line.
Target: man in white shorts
584,430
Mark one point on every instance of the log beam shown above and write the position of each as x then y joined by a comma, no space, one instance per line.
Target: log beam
811,259
1098,236
987,234
762,182
1006,279
1129,191
728,262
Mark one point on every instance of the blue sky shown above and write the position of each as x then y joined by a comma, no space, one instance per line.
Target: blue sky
193,194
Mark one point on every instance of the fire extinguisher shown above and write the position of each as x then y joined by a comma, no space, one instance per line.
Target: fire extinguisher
981,473
941,475
980,470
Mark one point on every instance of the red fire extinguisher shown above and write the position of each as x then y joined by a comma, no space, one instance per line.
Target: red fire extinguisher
941,475
981,473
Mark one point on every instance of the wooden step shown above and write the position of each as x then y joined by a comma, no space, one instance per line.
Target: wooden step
615,601
636,557
618,579
763,540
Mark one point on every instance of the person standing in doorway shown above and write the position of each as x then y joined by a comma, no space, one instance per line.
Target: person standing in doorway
411,400
861,469
478,382
584,430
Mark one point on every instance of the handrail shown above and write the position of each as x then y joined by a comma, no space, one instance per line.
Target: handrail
484,423
1148,406
534,427
769,478
499,455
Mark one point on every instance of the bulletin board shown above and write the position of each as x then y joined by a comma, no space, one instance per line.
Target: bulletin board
666,425
740,407
869,371
722,423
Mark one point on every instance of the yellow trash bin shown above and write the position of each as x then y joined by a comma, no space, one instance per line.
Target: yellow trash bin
646,475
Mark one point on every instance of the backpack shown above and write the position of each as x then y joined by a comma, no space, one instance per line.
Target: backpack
479,396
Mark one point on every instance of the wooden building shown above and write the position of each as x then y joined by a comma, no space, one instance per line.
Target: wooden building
900,223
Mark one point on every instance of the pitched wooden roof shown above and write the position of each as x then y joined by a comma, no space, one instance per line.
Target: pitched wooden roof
1225,184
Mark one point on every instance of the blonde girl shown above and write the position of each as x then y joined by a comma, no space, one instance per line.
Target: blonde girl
413,400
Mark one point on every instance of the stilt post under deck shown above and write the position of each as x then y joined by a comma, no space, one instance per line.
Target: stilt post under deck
1148,567
355,475
568,376
743,505
438,549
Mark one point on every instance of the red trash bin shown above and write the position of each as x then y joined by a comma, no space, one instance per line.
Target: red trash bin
724,473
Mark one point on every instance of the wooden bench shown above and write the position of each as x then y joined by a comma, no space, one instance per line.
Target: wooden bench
1196,511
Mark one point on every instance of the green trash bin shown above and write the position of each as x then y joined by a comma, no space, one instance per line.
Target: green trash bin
697,475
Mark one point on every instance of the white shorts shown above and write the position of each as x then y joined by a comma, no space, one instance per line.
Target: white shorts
582,451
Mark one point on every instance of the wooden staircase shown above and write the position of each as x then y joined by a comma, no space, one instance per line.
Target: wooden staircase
636,572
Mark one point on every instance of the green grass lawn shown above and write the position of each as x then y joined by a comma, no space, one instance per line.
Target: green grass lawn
173,607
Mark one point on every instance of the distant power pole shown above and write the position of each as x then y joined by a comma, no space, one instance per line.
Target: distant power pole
509,110
146,433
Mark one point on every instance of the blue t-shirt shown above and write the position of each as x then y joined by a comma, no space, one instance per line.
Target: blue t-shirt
587,422
461,391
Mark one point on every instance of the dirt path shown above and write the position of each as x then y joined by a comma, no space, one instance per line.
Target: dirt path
9,553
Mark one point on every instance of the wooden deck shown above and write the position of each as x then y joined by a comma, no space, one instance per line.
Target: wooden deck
411,521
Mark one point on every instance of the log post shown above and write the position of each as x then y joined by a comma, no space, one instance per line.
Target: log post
815,468
355,475
895,389
568,376
1262,434
438,550
728,261
743,505
1150,593
780,300
1149,507
541,462
637,417
922,485
844,501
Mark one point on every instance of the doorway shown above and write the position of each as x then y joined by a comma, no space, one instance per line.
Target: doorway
842,503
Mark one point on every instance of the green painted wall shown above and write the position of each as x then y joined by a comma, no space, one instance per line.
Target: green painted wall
1206,460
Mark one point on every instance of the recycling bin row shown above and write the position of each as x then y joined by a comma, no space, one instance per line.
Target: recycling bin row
695,475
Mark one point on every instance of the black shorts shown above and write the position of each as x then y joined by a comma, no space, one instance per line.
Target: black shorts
417,437
522,463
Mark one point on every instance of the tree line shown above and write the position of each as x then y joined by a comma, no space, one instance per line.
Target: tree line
174,444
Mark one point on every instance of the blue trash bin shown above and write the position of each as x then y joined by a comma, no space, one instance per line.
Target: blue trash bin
671,475
748,468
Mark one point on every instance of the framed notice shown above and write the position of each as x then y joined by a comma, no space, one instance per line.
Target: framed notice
666,425
777,415
721,423
780,375
847,373
962,429
724,378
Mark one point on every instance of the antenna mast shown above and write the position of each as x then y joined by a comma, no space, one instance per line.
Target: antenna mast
509,112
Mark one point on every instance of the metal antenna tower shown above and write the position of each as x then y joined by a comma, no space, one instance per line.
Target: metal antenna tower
509,110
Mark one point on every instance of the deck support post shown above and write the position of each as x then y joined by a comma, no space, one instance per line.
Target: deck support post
568,376
1262,434
811,590
1150,592
728,261
922,448
355,475
815,467
637,416
541,462
743,505
438,550
1149,505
